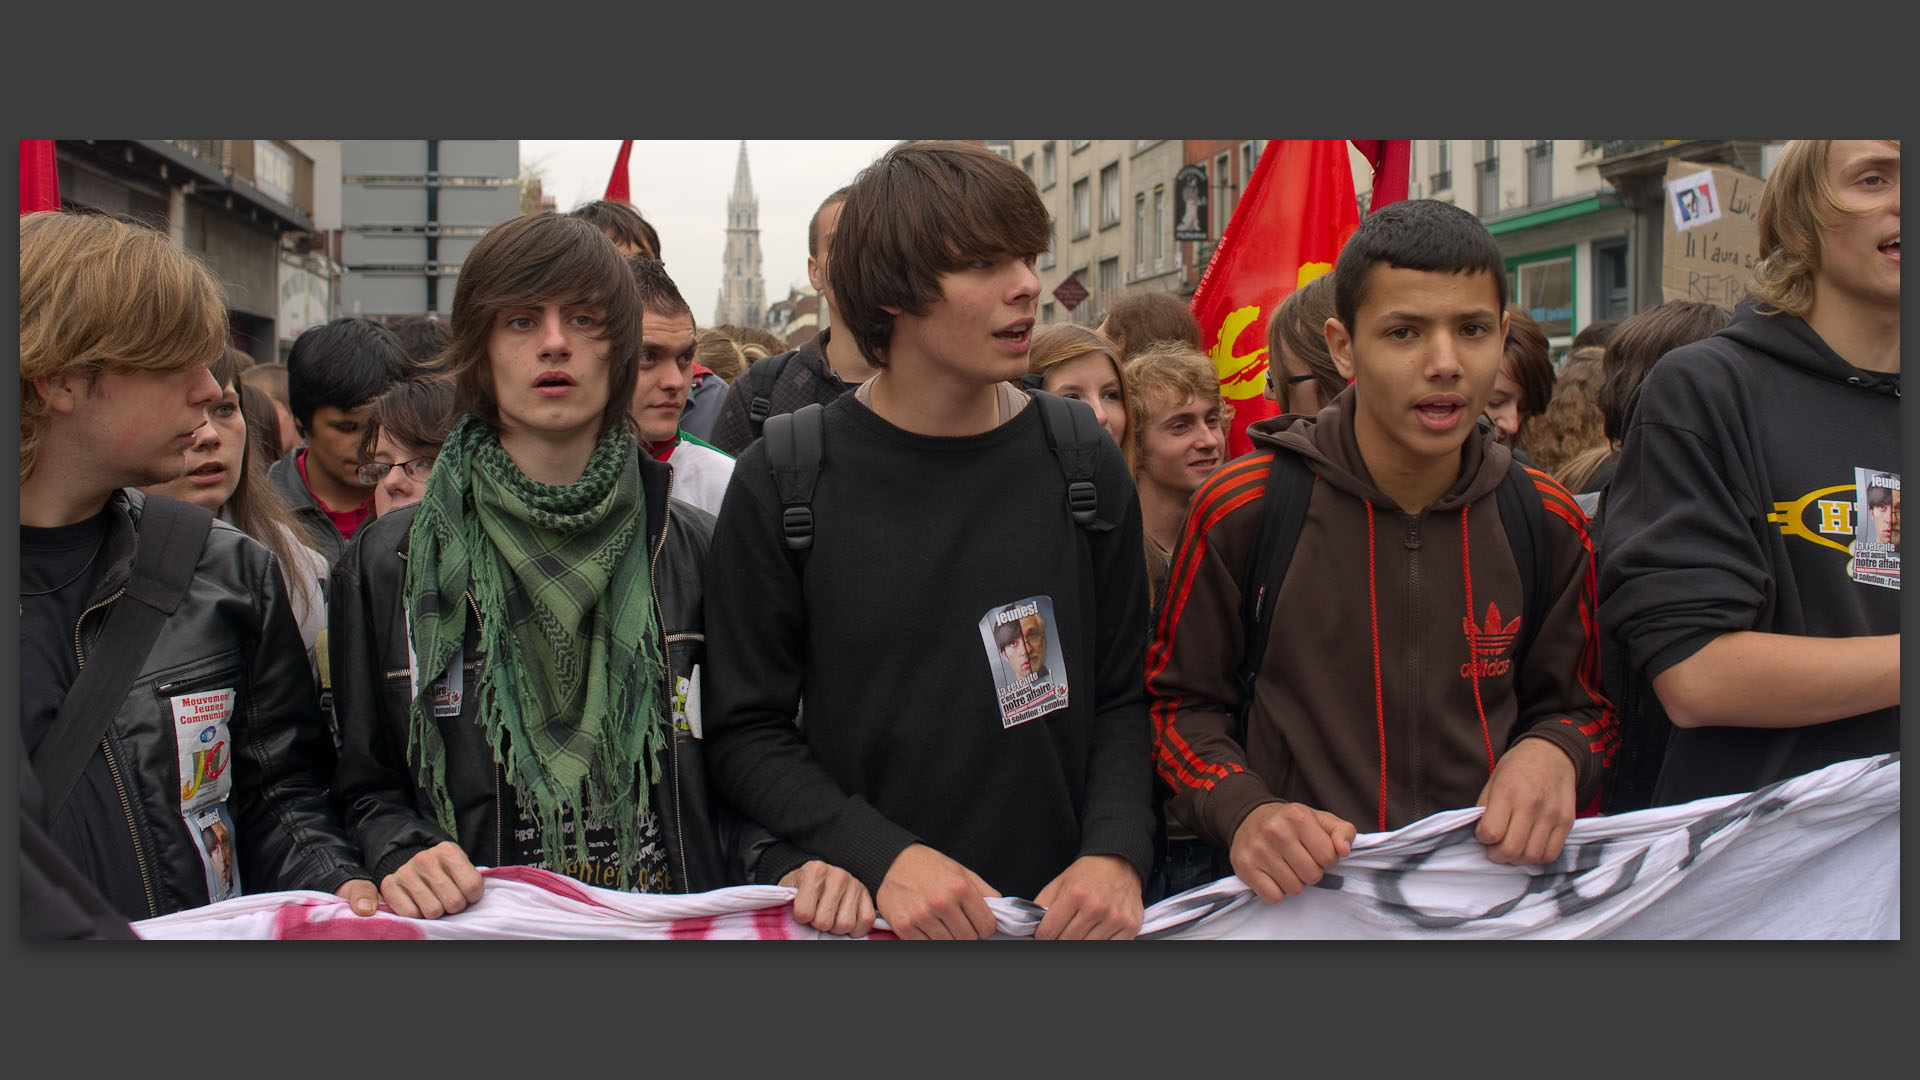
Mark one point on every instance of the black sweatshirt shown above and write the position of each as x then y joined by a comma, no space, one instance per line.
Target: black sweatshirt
1736,503
912,729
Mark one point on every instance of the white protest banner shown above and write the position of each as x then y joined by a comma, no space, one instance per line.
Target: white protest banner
1816,856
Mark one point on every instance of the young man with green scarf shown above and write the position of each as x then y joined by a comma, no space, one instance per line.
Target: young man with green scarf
513,654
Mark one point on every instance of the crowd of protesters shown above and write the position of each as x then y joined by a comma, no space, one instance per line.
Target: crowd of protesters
939,605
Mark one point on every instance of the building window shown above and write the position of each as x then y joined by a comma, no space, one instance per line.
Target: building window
1539,172
1046,312
1486,178
1081,144
1085,309
1543,288
1225,194
1109,285
1026,166
1046,257
1140,234
1110,195
1160,227
1249,156
1049,166
1082,208
1442,178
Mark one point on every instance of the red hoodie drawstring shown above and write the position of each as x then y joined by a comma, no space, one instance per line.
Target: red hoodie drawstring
1379,701
1466,571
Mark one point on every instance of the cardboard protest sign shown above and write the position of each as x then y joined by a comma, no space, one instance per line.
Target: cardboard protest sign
1710,241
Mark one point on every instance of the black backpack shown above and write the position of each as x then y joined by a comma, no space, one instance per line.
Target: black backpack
794,441
761,376
1283,511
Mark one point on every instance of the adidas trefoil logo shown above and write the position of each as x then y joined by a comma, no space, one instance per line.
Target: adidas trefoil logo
1488,645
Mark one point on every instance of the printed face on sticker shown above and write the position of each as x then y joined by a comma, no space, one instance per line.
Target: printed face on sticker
1012,641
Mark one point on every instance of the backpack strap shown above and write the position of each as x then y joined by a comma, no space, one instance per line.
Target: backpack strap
794,444
760,379
1525,517
172,534
1283,512
1075,436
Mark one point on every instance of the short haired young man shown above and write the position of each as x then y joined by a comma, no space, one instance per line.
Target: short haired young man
820,370
677,398
1387,690
117,329
550,591
1179,437
334,372
1724,544
939,505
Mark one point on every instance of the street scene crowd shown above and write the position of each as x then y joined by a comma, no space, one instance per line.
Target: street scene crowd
944,604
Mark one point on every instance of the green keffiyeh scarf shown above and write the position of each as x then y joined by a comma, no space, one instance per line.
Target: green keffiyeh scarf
570,699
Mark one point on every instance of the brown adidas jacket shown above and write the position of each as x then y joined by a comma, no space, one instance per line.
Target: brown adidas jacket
1387,691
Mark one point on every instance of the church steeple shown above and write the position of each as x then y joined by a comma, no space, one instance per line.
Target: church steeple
743,293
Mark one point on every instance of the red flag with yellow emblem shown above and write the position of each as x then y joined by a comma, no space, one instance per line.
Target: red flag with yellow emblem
1287,229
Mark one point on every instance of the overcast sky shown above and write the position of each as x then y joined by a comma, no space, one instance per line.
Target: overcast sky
681,188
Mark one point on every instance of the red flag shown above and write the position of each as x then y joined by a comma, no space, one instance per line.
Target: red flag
617,184
1297,211
39,177
1392,161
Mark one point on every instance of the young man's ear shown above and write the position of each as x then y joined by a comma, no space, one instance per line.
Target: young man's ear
1340,344
814,277
58,391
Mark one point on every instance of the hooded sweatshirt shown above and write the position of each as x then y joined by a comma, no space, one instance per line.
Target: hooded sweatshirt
1388,689
1739,501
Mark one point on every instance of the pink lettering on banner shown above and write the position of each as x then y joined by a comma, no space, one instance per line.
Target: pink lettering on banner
294,922
690,929
557,884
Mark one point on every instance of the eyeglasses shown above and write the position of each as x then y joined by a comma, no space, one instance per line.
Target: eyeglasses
418,469
1289,380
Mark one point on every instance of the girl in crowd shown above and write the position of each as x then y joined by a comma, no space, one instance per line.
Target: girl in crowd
1525,383
1631,351
1301,375
405,429
1072,361
1570,425
226,475
720,354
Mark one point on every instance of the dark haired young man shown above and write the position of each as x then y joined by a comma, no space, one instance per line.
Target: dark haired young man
215,732
334,372
1725,561
820,370
513,654
677,399
1388,689
940,503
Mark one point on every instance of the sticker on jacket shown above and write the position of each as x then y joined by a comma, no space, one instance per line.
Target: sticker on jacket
1023,648
212,832
448,689
686,703
1875,551
205,745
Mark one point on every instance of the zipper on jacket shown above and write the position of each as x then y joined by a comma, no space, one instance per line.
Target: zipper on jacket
139,849
673,748
1416,617
113,767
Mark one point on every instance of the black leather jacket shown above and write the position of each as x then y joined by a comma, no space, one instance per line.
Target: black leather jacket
233,630
388,813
